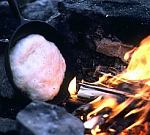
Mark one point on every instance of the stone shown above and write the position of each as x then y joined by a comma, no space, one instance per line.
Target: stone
6,90
8,22
7,125
111,8
92,20
40,118
38,10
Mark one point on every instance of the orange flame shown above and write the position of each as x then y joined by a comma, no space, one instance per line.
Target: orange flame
138,68
106,102
72,87
137,72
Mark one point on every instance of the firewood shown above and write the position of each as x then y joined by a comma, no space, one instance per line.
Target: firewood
105,118
91,93
108,91
102,90
112,48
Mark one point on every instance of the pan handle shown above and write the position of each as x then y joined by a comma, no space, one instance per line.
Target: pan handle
15,8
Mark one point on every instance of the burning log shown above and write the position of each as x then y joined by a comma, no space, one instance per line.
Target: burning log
105,111
98,90
92,91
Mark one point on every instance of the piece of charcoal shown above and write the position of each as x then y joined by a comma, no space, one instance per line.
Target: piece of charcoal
40,118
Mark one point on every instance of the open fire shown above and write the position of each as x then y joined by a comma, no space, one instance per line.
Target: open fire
92,37
133,84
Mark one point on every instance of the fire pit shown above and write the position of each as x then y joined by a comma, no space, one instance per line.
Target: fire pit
105,46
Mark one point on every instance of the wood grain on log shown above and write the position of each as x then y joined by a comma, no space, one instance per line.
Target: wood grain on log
112,48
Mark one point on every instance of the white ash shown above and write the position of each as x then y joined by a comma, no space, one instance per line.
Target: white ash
38,67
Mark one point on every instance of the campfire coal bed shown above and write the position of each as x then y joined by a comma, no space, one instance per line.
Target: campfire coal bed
97,35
